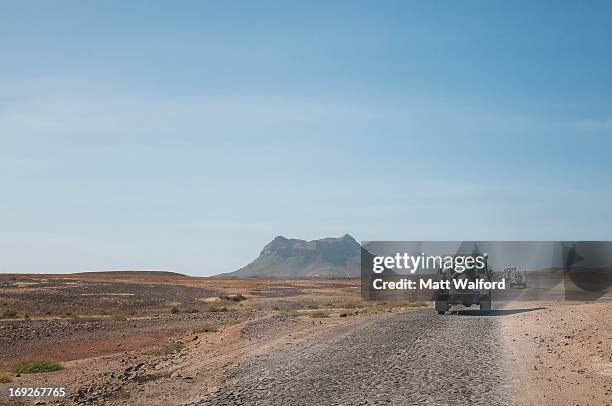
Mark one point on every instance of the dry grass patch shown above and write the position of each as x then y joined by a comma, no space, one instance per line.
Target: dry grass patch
236,322
166,349
4,378
289,312
410,304
209,328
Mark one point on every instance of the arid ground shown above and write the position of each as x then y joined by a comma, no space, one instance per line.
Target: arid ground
165,339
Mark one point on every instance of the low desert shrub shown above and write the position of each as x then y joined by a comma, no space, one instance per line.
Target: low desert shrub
234,298
9,314
36,366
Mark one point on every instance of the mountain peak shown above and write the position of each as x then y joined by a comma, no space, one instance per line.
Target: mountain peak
295,258
348,237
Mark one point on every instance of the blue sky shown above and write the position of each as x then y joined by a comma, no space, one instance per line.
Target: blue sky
186,135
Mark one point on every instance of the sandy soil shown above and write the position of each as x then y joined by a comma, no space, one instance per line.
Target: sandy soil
560,352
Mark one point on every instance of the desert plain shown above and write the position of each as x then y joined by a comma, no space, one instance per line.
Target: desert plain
168,339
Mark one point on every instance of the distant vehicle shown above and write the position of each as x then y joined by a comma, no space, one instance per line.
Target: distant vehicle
467,297
515,277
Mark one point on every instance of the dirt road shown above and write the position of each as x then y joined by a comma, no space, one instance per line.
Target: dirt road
402,358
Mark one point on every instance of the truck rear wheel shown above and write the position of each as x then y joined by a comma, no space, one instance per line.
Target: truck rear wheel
485,304
441,306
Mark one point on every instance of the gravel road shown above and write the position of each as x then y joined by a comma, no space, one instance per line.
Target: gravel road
408,358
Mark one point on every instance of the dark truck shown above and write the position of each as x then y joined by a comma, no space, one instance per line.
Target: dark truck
466,297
